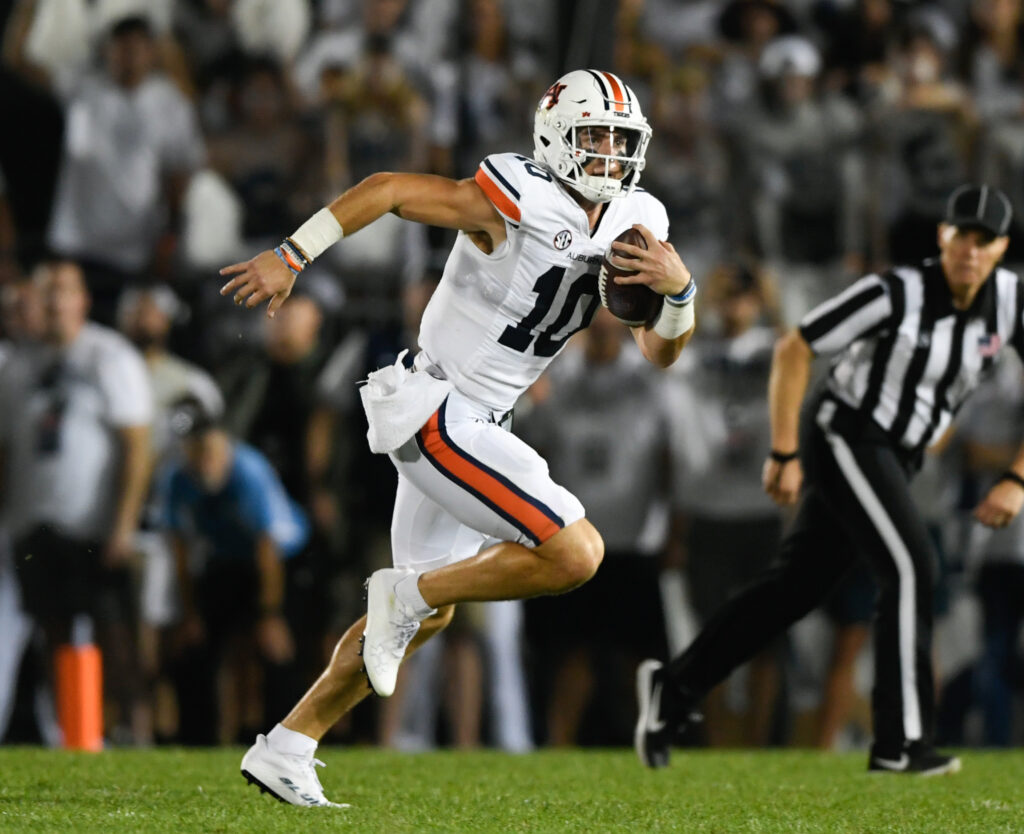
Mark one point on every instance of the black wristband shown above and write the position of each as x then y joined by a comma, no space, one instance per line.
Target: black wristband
782,457
1010,475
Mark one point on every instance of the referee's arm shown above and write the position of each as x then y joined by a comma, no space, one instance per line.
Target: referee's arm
787,384
1003,502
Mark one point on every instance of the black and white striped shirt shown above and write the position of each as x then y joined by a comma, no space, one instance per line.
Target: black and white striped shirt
909,358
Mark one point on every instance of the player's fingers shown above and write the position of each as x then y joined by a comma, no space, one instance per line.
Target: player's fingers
275,303
243,292
234,269
257,298
627,249
647,233
233,284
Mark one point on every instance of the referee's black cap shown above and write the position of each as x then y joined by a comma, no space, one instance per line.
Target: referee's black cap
980,207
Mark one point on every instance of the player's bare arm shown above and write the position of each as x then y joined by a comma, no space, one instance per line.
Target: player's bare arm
424,198
787,384
1003,502
660,268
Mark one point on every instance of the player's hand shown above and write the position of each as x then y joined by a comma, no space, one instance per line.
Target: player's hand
782,481
1001,505
658,266
275,639
260,278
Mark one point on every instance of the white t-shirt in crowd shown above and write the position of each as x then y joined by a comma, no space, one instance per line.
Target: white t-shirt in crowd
118,146
59,428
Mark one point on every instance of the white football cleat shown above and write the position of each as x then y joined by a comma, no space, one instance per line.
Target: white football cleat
390,626
289,778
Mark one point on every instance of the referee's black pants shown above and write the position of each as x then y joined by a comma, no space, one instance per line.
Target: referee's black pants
855,504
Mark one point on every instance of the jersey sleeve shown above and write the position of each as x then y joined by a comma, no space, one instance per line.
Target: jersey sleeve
864,307
500,178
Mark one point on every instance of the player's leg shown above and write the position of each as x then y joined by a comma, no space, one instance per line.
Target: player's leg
342,685
491,482
423,534
495,483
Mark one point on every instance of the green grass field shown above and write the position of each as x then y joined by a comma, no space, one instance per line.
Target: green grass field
579,791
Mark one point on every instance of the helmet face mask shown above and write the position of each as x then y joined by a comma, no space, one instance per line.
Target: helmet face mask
589,132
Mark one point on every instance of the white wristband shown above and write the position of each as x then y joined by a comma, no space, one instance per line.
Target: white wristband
321,231
674,320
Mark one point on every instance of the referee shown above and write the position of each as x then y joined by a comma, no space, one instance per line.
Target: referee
911,345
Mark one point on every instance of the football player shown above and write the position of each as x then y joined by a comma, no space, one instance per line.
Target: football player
477,516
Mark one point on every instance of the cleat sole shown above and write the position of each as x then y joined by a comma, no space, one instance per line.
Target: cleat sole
252,780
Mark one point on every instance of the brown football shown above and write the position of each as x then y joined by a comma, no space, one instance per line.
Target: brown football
634,304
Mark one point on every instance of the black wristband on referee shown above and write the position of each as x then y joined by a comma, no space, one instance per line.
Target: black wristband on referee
782,457
1010,475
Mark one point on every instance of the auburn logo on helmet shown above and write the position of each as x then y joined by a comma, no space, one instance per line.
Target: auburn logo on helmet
551,96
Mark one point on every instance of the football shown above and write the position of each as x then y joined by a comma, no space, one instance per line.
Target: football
635,305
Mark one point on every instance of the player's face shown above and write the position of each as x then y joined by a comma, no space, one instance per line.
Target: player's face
604,142
968,257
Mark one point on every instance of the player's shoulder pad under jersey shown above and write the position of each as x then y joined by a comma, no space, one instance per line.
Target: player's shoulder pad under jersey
650,211
514,183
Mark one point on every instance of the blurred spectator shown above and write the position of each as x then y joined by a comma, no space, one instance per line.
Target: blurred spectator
8,240
858,38
687,168
993,56
991,430
231,524
498,81
416,34
74,435
264,155
746,26
22,314
603,427
374,120
725,528
652,35
130,146
22,323
923,127
299,430
29,158
145,317
803,175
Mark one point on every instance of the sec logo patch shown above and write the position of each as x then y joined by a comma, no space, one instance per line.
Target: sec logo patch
563,239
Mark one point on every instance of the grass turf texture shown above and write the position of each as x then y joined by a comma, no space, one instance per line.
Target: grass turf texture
578,791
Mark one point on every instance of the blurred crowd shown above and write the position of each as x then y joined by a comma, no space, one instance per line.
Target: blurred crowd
187,484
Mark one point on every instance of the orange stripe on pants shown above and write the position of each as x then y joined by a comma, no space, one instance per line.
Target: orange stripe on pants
539,526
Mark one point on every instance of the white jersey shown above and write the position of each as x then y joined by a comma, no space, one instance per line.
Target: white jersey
496,321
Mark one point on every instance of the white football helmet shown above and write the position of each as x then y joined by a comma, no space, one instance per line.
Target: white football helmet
587,115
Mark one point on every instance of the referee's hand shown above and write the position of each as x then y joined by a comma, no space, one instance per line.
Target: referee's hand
1001,505
782,480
